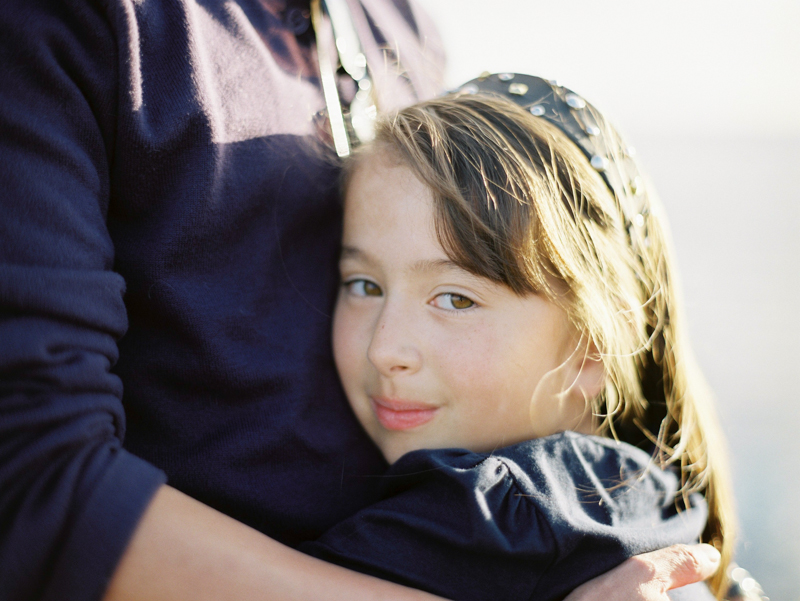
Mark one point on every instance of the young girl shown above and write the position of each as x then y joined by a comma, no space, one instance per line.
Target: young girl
509,336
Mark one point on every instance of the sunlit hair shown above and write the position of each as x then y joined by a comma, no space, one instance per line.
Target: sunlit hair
515,201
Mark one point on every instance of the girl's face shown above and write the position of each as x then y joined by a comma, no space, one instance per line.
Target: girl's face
432,356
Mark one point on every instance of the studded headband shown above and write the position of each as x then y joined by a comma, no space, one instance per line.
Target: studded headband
586,128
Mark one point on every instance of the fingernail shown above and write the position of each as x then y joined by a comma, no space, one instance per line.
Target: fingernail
710,553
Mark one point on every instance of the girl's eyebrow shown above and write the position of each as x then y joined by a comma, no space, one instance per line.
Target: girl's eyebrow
427,265
351,252
421,266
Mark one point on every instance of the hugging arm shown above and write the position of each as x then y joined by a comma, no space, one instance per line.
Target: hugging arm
186,550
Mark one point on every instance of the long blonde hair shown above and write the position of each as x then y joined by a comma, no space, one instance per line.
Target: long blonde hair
517,202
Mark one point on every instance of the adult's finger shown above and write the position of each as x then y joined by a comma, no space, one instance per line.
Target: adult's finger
680,565
649,576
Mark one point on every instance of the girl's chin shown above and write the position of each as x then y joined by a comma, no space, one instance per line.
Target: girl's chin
394,446
393,452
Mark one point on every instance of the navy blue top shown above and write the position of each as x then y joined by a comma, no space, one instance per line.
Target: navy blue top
531,521
168,242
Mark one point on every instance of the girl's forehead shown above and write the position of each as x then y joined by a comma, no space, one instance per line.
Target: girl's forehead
382,176
389,218
385,192
375,153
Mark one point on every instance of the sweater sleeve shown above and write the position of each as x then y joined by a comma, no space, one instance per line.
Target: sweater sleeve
70,496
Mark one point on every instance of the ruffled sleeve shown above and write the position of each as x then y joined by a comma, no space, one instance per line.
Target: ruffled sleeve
532,521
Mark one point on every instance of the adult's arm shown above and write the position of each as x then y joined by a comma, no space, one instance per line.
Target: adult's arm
184,550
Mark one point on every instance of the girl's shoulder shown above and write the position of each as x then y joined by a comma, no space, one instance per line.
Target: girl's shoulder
529,521
578,484
563,456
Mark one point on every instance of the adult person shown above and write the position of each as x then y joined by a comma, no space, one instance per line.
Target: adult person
159,149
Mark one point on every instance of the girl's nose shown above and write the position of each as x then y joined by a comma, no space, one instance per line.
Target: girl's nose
393,350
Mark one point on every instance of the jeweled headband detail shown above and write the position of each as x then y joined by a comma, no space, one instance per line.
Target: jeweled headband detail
586,127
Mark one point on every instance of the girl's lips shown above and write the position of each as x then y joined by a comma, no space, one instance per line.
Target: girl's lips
394,414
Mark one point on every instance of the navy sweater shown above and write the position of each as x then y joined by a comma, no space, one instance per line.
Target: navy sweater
168,241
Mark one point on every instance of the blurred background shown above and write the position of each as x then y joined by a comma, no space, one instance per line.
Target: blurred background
709,94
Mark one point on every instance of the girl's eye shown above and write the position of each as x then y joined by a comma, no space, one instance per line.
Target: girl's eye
452,301
361,287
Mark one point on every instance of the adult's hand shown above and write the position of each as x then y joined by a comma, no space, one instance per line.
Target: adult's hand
649,576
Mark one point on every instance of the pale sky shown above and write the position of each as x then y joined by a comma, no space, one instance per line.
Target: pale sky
710,67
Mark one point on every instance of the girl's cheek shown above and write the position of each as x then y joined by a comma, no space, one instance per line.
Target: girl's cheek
341,341
351,339
468,354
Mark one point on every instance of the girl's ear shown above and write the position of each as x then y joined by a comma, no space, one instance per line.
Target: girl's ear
575,384
569,391
587,372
